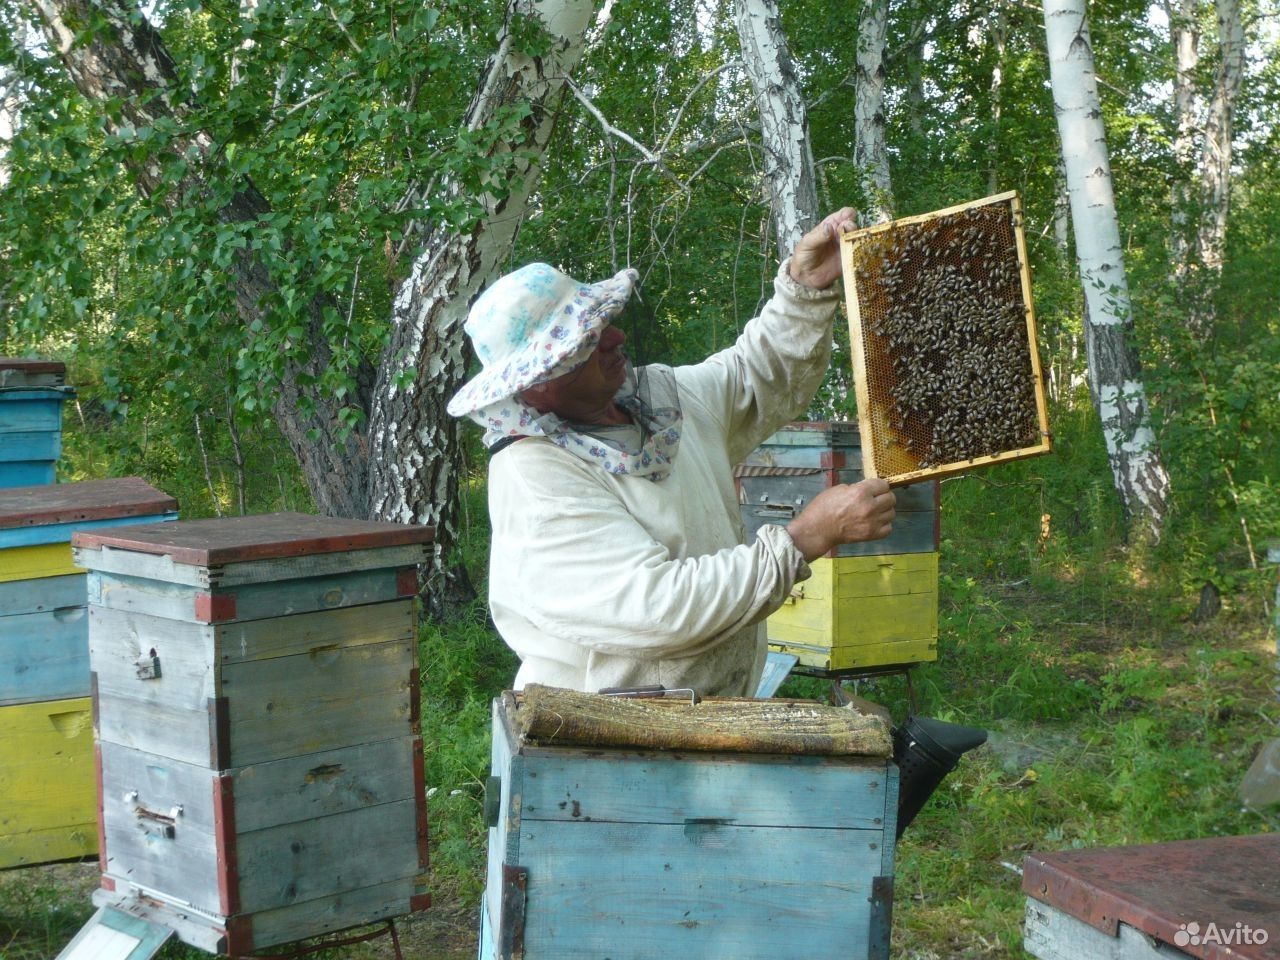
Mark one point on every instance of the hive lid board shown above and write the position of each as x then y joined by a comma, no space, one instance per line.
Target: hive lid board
273,536
112,934
1162,888
46,504
19,371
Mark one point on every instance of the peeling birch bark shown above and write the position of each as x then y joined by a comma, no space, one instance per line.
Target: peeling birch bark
869,153
1184,38
415,449
1215,165
1115,376
784,121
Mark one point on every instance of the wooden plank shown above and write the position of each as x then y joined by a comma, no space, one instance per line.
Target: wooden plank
296,862
29,410
20,564
26,474
307,704
13,370
187,677
864,620
45,655
46,593
77,502
113,935
65,532
183,867
121,637
616,787
202,932
162,567
69,841
222,540
47,782
266,794
824,657
253,601
1051,934
284,707
633,891
338,912
41,445
323,784
1157,888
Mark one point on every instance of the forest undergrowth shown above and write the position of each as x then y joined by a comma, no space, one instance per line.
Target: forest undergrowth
1118,713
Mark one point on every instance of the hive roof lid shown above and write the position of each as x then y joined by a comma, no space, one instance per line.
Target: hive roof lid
52,503
220,540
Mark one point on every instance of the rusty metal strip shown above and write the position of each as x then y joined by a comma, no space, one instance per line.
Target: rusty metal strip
881,920
515,885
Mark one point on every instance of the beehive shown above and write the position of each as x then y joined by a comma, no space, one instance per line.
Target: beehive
47,794
1212,899
631,853
943,334
32,393
256,697
867,606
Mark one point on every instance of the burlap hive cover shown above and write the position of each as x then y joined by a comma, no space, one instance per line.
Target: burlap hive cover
553,716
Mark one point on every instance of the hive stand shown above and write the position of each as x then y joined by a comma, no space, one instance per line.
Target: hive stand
1209,899
32,393
256,709
47,794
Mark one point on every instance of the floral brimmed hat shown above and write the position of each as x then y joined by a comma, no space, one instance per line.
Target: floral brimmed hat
533,325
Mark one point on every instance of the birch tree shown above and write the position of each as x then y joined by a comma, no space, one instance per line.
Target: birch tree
414,443
1114,371
1215,188
1184,38
870,155
378,445
784,121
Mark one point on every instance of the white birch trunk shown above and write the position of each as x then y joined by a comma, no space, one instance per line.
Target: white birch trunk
784,122
1215,194
869,153
999,36
1115,377
414,448
1184,38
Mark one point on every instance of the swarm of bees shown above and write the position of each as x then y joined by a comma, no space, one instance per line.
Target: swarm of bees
945,337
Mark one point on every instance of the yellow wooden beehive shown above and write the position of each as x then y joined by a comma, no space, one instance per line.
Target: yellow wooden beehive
943,337
867,606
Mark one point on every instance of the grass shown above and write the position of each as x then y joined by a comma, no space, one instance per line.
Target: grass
1115,717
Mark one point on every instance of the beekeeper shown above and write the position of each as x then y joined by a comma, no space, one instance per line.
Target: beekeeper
617,557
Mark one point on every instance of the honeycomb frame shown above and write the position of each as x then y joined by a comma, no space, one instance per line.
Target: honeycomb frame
943,334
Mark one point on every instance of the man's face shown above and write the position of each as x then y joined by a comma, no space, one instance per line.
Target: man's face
577,395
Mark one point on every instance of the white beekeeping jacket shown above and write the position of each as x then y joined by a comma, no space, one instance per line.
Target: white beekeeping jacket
597,580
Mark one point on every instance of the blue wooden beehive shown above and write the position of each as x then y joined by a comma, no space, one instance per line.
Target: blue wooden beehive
31,396
256,711
633,853
47,797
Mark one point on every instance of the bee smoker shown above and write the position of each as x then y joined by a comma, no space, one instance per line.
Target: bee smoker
925,751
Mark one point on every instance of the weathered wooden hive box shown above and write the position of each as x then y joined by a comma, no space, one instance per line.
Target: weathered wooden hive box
47,794
256,710
32,393
632,852
867,606
1211,899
